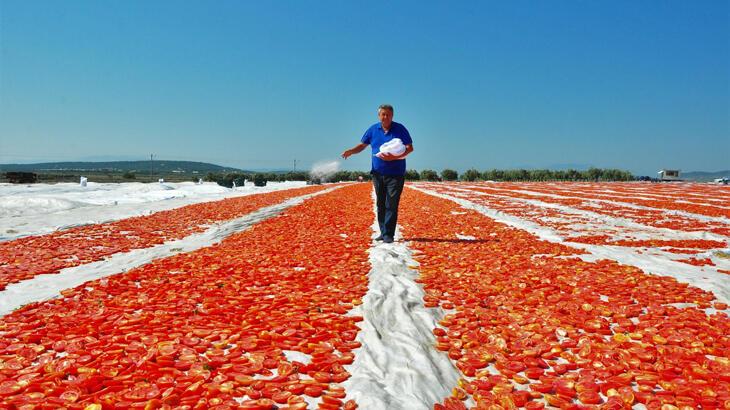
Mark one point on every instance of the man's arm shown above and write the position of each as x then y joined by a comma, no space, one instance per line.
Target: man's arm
354,150
390,157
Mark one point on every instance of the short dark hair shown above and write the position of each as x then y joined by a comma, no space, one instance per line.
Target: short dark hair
386,107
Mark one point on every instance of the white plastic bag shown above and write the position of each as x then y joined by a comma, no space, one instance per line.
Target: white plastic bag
393,147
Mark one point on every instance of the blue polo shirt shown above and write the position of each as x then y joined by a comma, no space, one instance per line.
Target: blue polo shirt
376,137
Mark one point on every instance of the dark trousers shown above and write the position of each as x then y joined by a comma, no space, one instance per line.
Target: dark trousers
387,192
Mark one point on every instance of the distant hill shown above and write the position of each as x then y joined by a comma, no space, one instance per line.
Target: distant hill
121,166
704,176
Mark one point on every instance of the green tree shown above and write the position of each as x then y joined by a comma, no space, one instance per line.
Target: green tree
534,175
490,175
129,175
470,175
230,179
539,175
593,174
365,175
572,175
449,175
429,175
341,176
297,176
412,175
617,175
512,175
260,179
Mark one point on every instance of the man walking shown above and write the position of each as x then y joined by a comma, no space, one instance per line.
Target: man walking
388,170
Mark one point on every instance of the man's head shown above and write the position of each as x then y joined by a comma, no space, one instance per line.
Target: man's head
385,115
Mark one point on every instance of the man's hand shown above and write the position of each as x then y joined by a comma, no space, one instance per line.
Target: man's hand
389,157
354,150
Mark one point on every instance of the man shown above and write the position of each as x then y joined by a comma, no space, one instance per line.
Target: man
388,170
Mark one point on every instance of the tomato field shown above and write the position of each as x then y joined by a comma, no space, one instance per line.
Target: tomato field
552,295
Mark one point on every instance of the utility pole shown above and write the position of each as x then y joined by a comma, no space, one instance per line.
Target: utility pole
295,165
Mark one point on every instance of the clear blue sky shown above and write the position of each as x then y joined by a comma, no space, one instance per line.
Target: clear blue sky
256,84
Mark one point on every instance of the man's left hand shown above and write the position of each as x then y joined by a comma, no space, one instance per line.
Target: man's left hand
389,157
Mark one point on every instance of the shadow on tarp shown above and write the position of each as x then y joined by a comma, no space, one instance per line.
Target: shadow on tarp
450,240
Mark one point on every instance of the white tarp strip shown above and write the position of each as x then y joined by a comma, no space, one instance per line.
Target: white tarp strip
398,366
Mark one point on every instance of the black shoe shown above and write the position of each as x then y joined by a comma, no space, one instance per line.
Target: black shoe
387,239
379,238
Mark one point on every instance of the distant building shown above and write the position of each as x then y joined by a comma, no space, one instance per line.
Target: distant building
724,180
669,175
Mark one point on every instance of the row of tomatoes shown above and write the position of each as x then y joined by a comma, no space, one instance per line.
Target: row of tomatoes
27,257
659,212
688,246
659,215
687,191
702,199
210,329
529,325
567,224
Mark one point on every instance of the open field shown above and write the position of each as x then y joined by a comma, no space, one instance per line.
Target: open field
495,294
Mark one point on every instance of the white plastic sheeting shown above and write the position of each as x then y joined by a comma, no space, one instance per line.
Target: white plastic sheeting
397,366
41,208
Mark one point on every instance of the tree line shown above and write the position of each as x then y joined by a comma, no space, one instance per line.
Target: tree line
591,174
228,179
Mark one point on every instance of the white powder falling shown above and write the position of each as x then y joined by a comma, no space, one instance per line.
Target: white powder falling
323,171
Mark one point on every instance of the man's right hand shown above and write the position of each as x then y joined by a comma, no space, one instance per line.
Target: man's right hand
354,150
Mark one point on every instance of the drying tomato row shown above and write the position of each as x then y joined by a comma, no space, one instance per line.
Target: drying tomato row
528,325
698,261
653,218
686,191
27,257
709,204
706,194
670,245
703,199
570,226
573,227
660,217
210,329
